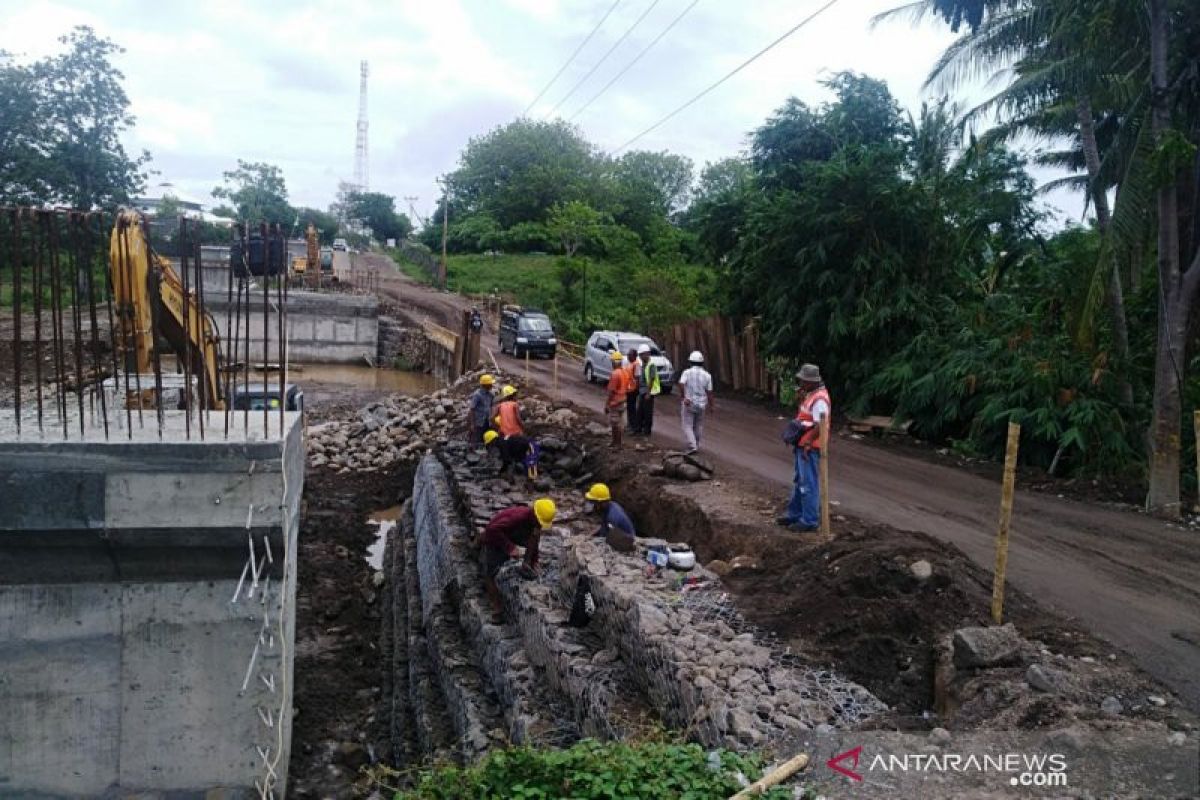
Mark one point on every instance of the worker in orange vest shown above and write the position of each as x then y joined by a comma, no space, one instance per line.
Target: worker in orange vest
508,414
614,403
804,508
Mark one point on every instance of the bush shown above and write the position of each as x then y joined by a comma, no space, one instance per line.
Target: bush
592,770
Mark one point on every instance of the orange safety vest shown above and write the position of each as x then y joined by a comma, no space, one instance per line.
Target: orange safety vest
508,420
811,439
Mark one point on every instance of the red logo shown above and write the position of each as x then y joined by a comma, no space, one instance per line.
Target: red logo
835,763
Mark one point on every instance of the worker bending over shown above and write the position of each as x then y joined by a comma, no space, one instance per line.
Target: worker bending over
615,525
479,409
518,526
514,451
614,403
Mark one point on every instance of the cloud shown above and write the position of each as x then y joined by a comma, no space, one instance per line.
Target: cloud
277,81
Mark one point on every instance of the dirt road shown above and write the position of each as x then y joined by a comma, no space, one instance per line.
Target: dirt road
1132,580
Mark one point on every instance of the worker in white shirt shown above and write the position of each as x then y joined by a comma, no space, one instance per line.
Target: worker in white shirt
697,387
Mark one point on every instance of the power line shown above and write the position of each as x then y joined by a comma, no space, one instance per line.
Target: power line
603,58
635,60
573,55
729,75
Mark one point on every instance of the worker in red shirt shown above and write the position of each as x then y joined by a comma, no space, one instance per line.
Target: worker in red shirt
517,526
614,404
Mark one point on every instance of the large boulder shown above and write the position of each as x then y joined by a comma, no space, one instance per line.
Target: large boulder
987,647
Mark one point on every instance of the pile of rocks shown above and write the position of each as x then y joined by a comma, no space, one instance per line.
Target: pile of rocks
406,428
401,342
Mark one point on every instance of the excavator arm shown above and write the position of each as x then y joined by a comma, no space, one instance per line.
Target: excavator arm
151,303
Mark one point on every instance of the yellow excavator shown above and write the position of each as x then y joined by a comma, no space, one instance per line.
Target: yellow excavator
152,305
138,274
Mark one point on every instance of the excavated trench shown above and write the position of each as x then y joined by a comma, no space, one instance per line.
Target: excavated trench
656,653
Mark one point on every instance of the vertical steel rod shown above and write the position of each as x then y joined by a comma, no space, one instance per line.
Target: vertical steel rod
16,252
115,330
203,332
187,331
37,318
280,288
155,286
230,344
90,261
131,316
76,312
246,365
266,279
57,333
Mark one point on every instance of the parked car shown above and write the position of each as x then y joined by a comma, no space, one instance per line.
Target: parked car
340,244
526,330
597,356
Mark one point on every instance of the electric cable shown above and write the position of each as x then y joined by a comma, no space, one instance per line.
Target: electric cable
603,58
635,60
563,68
729,75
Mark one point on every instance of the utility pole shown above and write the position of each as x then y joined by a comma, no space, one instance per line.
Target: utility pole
445,231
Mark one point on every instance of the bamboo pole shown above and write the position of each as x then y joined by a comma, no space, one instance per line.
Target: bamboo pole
1006,504
776,776
823,467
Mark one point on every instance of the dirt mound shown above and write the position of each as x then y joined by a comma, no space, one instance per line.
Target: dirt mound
338,667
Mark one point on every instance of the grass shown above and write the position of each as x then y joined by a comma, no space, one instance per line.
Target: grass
622,295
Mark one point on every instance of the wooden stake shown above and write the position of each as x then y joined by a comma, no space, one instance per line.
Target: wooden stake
556,377
823,468
778,775
1006,504
1196,428
526,366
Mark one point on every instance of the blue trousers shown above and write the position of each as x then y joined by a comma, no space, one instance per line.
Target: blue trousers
804,508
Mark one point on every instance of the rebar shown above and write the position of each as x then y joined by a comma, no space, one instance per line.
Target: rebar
15,259
266,279
187,330
37,320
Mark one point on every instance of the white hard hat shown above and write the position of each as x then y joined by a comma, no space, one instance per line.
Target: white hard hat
643,348
696,357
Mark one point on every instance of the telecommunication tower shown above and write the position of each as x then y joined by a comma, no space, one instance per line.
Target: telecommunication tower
362,175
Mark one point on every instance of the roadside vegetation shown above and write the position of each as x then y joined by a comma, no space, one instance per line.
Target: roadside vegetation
592,770
908,253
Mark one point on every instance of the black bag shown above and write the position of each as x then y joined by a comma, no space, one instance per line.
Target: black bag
584,606
792,432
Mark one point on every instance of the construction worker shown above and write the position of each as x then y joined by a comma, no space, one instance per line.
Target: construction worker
697,388
648,389
515,450
615,525
508,413
804,508
517,526
631,388
479,409
614,403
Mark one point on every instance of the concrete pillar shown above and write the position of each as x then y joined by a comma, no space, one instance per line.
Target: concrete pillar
126,665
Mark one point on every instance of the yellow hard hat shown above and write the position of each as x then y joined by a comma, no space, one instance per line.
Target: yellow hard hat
616,356
486,380
490,436
508,391
544,509
598,493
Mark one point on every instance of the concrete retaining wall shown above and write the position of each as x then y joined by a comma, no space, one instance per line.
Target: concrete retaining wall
122,657
322,327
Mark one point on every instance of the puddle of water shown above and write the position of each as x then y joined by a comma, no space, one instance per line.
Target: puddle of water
364,377
386,519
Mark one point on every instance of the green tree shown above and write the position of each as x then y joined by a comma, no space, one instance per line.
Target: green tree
574,225
517,172
647,188
325,223
258,192
61,126
377,211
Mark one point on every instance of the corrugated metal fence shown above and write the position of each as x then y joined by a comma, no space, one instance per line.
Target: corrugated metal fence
731,348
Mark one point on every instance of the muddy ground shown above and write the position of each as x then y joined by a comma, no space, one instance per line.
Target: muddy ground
339,725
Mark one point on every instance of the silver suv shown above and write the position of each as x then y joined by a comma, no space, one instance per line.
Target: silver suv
597,356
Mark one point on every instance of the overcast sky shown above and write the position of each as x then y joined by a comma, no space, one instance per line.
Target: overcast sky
220,80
